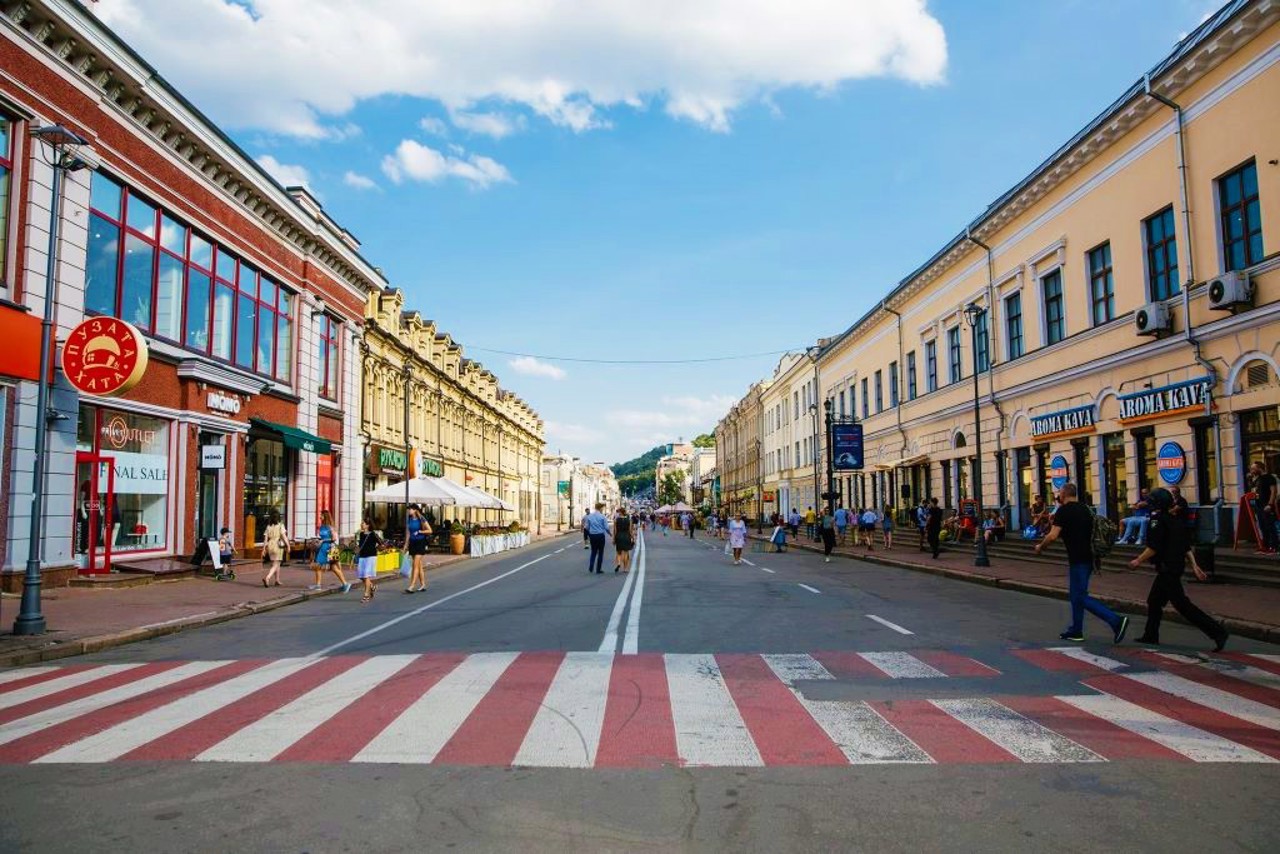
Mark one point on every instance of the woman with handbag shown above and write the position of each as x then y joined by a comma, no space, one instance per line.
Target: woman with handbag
416,547
367,542
275,548
324,554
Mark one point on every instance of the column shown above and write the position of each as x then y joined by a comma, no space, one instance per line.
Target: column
349,480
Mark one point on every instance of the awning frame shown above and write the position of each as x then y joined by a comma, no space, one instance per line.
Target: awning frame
294,437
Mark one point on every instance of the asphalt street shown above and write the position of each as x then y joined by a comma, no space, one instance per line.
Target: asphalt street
520,703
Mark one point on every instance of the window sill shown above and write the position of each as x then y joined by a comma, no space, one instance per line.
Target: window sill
16,306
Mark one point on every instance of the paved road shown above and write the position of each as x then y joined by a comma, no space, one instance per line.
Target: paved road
784,704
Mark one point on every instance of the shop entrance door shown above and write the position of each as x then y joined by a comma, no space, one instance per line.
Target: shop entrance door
207,505
1116,475
96,527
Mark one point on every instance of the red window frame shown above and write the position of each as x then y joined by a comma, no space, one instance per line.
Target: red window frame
329,354
6,194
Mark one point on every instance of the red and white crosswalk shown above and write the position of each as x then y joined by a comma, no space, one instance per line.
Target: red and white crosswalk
601,710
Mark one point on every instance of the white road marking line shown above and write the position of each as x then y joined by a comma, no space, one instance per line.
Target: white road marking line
125,736
767,569
1023,737
631,640
1213,698
67,711
811,589
747,562
61,683
1191,742
419,733
902,665
610,641
1234,669
1088,657
862,735
709,728
897,628
410,615
566,731
24,672
269,736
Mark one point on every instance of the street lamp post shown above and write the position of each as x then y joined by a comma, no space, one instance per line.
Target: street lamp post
813,412
30,620
974,314
831,476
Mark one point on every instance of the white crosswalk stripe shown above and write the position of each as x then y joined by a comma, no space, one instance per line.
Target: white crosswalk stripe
1090,658
566,730
1210,697
18,696
1235,669
25,673
1024,738
709,728
902,665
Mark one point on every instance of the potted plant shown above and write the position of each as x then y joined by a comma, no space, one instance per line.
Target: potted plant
457,538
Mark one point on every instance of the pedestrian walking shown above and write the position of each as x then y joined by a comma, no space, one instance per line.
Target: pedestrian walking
1166,547
367,542
324,554
586,540
922,521
1266,507
275,548
793,523
867,527
810,523
933,527
842,523
886,526
827,530
690,524
738,538
623,541
779,539
1073,524
416,547
597,528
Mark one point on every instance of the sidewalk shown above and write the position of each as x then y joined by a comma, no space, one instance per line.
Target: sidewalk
82,620
1252,612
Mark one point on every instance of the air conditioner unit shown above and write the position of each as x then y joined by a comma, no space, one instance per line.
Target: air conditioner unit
1153,319
1230,290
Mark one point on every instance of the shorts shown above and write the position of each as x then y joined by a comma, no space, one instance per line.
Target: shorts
417,546
367,567
840,529
865,528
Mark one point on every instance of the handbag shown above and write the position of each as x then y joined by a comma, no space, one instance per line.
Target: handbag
406,565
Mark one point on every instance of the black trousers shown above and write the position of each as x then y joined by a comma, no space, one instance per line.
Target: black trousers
935,541
596,561
828,541
1167,589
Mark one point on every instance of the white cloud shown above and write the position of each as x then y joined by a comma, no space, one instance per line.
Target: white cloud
560,431
287,174
434,126
532,367
676,413
417,162
291,66
360,182
495,125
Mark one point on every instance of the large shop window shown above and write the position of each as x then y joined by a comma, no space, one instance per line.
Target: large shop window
266,485
1162,255
138,449
6,173
1080,453
1241,217
1024,478
154,271
1260,439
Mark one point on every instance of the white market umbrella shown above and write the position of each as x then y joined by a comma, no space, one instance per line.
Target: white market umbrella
681,507
466,496
665,508
422,490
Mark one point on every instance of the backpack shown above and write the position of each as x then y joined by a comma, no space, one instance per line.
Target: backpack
1104,536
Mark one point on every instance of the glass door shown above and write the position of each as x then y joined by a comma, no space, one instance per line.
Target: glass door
1115,474
97,522
207,505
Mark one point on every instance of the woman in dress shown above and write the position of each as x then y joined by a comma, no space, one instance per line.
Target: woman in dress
738,538
324,554
416,545
886,525
367,542
623,540
275,545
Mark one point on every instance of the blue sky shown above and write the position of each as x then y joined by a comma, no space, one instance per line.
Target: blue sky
746,199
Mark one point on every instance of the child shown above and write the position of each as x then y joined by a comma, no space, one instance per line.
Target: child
779,539
226,549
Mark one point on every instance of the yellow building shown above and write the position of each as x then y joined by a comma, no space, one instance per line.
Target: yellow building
738,456
461,423
1127,301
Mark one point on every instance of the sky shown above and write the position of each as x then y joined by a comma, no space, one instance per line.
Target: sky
661,180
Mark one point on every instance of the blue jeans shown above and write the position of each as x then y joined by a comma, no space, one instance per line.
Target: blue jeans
1135,526
1081,601
596,561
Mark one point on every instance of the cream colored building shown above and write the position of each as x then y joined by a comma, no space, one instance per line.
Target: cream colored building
1132,322
739,450
585,486
462,424
679,464
791,424
701,463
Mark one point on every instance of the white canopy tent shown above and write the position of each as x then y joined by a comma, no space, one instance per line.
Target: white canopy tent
422,490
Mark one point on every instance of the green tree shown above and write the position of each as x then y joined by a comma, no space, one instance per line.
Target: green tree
672,488
706,440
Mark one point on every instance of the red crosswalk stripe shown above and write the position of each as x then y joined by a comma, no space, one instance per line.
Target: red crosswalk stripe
1056,662
953,664
1205,676
940,735
1102,737
784,731
87,689
639,731
1268,664
848,665
37,678
495,729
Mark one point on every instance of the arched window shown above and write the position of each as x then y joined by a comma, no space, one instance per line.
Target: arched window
960,441
1256,374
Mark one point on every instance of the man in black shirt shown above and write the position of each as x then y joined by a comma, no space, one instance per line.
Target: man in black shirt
1073,523
1167,543
933,527
1264,506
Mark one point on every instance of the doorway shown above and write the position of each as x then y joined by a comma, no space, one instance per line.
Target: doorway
97,522
1116,475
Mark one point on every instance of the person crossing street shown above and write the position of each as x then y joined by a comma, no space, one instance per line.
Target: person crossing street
933,527
597,528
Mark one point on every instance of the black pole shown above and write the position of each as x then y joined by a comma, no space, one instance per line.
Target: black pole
831,485
407,473
973,312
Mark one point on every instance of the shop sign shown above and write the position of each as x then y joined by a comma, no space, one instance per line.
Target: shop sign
1171,463
228,404
1063,423
1164,401
104,355
423,466
562,487
1059,472
388,461
119,433
846,443
213,456
770,496
141,474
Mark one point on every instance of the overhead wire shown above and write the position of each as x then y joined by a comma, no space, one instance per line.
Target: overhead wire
588,360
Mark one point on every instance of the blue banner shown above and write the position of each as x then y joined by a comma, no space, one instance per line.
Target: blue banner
846,446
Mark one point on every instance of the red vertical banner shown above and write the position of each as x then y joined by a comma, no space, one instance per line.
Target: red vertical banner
1246,523
324,484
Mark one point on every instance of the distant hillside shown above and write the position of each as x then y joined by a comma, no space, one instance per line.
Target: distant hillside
637,474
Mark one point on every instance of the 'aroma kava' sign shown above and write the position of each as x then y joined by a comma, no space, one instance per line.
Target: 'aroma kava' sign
1051,424
1166,400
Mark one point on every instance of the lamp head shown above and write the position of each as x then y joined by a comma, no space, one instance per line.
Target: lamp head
973,312
57,135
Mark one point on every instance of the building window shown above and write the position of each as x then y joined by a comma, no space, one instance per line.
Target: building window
866,400
1241,217
138,446
6,179
327,365
930,366
266,485
1013,325
983,336
911,375
1162,255
1055,323
893,383
953,355
1101,284
151,270
879,392
1144,442
797,465
1206,462
842,413
795,399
